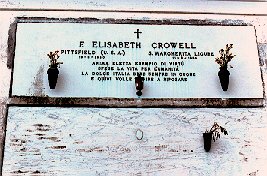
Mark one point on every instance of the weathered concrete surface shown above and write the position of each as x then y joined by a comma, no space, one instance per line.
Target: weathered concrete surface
249,7
102,141
243,121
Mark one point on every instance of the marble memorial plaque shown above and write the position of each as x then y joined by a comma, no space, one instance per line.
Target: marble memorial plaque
102,60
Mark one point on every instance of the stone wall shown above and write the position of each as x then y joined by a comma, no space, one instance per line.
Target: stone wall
103,141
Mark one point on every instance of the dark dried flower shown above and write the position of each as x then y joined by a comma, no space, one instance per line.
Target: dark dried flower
215,130
225,56
53,59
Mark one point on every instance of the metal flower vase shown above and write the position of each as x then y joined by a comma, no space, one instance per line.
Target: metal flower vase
207,137
224,75
52,77
53,69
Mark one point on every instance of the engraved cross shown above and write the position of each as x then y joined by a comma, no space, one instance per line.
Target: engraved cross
137,33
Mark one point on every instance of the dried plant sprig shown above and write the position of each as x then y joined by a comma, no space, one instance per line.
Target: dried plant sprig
225,55
215,130
53,56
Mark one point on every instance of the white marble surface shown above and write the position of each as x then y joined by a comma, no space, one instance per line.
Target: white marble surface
102,141
35,40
